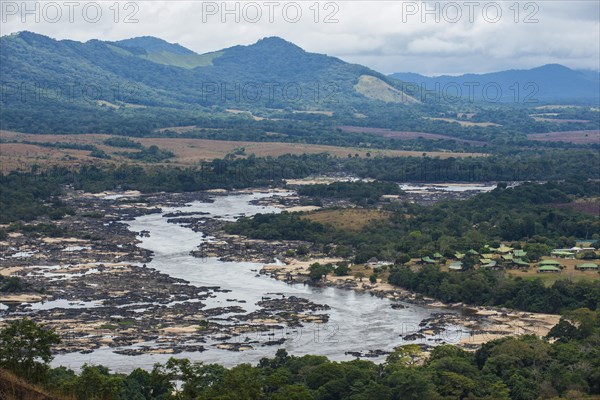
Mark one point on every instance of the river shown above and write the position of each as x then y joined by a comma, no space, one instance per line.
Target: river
358,321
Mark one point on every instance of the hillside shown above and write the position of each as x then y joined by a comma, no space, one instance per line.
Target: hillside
146,77
14,388
551,82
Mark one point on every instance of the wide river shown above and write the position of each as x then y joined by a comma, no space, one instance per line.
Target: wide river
358,321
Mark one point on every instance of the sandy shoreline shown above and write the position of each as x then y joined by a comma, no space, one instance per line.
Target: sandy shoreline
485,323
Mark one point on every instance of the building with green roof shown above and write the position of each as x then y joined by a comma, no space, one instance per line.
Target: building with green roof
519,253
549,262
548,268
586,267
504,249
455,266
563,254
491,264
520,263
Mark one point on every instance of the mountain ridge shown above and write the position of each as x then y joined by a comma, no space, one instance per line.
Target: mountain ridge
95,83
550,82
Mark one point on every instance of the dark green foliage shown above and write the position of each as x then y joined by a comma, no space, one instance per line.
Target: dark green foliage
12,284
150,154
25,349
341,270
523,213
519,368
27,196
358,192
480,287
277,226
318,271
100,154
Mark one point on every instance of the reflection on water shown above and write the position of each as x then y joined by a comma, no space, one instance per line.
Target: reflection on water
358,321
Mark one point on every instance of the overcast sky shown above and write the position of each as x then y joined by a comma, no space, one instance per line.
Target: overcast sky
388,36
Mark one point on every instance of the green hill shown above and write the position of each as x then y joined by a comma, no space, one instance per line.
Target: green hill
59,83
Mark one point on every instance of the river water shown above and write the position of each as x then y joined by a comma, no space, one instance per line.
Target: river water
358,321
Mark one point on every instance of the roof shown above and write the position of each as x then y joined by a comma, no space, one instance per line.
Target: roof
455,266
504,249
518,261
459,255
507,256
544,268
471,251
427,260
491,264
562,253
587,266
437,255
485,260
487,255
519,253
549,262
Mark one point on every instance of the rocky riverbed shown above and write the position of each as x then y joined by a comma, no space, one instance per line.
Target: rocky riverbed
90,282
155,275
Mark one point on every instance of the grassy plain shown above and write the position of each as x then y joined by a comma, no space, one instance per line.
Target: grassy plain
15,153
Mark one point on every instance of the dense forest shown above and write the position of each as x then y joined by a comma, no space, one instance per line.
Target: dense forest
492,288
525,213
27,195
357,192
522,368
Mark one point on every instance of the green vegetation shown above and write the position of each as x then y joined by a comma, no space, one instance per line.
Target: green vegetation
12,284
522,368
526,213
135,87
25,349
151,154
357,192
492,288
27,196
122,142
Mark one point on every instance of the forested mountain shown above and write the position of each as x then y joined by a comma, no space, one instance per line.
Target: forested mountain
551,82
134,86
43,78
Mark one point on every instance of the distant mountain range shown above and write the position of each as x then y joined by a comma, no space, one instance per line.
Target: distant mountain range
552,82
102,85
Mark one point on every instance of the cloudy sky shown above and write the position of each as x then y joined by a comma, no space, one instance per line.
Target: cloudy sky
431,38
